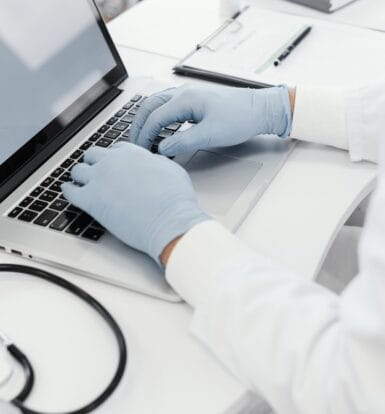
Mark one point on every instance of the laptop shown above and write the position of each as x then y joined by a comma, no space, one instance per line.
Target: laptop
63,89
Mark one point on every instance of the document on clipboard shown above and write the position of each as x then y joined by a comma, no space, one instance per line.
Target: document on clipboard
242,52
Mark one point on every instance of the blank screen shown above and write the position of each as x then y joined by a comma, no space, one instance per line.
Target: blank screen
51,53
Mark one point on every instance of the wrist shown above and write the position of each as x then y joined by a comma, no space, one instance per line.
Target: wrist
283,117
171,225
168,250
292,96
170,247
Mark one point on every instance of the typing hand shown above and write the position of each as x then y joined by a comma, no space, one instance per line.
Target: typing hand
145,200
224,116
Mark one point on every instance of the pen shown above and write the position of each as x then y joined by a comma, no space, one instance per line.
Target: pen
295,43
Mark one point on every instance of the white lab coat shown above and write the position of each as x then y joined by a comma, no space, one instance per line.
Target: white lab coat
303,348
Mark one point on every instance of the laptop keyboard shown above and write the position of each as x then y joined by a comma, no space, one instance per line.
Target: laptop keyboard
47,207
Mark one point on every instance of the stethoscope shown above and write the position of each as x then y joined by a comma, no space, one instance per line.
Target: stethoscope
18,402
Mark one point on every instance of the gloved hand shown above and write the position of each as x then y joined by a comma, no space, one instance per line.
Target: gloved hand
145,200
225,116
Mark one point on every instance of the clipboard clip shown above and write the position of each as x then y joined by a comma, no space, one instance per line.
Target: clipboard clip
233,20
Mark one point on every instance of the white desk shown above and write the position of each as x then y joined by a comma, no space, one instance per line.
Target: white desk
365,13
169,372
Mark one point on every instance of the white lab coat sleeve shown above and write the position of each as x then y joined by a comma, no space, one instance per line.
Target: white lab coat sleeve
297,344
351,119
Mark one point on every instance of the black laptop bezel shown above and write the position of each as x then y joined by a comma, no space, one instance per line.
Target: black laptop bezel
45,143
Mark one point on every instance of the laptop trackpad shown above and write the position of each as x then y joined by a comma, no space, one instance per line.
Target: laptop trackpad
219,179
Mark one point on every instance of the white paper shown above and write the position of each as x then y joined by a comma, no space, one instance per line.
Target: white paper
253,41
330,55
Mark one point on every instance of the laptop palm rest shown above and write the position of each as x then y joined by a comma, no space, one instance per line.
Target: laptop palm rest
219,179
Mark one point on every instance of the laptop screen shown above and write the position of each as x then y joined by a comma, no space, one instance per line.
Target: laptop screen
56,59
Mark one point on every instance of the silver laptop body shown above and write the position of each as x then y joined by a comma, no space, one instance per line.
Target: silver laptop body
228,181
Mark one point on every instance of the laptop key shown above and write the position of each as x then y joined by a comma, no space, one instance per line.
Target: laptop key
63,221
165,134
155,145
66,177
128,118
47,182
85,146
112,134
59,205
79,224
103,129
67,163
136,98
78,153
174,127
26,202
112,120
38,205
134,110
73,209
27,216
128,105
96,225
56,186
48,196
46,217
120,126
103,142
94,137
57,172
15,212
93,234
120,113
37,191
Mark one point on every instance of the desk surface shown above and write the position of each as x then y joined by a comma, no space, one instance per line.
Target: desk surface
169,372
364,13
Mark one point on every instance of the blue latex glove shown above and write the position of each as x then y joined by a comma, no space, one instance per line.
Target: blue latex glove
225,116
145,200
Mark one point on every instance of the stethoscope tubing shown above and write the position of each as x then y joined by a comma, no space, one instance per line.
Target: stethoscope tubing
29,374
22,359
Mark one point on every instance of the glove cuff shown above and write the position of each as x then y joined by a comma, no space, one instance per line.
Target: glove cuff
274,116
283,119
